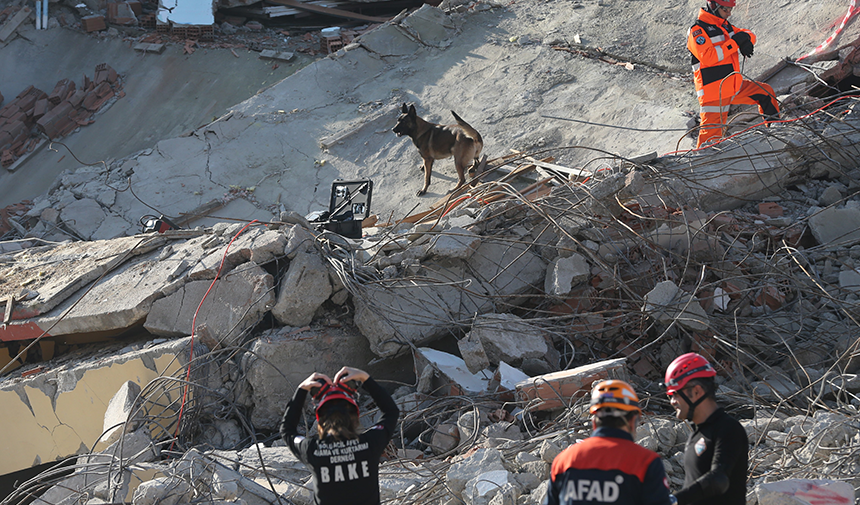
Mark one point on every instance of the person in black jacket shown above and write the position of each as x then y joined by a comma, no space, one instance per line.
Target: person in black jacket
715,456
608,466
345,462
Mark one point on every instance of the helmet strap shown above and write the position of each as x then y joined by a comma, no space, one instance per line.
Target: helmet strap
691,404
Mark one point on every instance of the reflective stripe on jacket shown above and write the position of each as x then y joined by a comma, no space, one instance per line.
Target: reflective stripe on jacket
715,58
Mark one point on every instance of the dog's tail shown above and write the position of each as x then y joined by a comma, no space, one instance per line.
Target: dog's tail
469,130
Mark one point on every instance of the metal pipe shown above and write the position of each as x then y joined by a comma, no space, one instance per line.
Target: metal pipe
38,14
44,14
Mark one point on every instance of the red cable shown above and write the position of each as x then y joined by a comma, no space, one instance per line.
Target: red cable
194,327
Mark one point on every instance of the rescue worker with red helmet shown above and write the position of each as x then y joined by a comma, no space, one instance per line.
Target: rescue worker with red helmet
715,455
715,45
345,463
608,466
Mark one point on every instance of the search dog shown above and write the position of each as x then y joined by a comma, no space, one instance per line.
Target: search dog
437,142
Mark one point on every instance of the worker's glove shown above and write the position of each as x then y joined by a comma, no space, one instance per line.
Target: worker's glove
744,42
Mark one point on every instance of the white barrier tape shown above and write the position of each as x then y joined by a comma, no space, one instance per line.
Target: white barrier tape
852,9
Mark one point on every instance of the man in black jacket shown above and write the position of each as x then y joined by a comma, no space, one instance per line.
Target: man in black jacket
715,456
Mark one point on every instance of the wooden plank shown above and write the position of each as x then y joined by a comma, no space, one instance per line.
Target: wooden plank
10,26
316,9
10,300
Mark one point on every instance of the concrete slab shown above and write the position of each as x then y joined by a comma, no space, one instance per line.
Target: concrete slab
57,272
281,359
235,304
83,217
60,412
122,298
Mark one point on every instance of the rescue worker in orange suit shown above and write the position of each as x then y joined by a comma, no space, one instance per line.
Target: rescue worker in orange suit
608,466
715,455
715,46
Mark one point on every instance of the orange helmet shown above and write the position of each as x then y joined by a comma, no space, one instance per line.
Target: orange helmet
614,394
684,368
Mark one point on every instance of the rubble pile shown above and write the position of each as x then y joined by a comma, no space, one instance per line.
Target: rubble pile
34,113
507,303
489,316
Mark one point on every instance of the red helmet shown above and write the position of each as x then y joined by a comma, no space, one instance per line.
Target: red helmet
331,392
724,3
685,367
614,394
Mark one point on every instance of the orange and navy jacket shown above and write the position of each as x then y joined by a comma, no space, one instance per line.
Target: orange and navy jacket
607,467
715,58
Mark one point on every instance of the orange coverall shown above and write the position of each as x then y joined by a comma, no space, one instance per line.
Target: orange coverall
716,72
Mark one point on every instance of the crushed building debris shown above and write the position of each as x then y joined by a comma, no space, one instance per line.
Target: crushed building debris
604,275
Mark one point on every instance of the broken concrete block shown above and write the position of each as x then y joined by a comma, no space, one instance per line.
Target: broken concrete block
472,351
506,337
281,359
833,226
83,217
805,492
236,303
466,469
303,290
278,462
850,280
269,54
150,48
506,378
257,244
457,243
122,415
484,486
831,195
667,302
401,310
100,474
450,373
557,389
446,437
566,273
162,491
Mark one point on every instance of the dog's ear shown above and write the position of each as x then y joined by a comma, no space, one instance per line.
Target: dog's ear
412,108
404,109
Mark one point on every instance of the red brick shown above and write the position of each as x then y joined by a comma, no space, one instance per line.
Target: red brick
10,110
5,140
770,209
136,7
40,108
52,122
103,89
77,97
90,100
93,23
770,296
7,158
26,102
27,90
61,90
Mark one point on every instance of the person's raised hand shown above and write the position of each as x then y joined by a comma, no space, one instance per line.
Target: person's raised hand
347,374
315,380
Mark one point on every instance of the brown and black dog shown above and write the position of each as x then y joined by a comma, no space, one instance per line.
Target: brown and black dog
436,142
